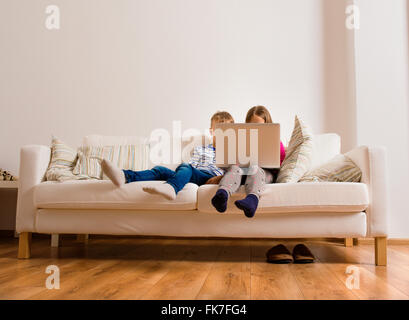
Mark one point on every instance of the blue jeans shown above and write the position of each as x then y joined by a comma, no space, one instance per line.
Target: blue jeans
177,179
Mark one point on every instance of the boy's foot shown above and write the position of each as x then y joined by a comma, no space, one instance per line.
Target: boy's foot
219,201
164,189
248,205
115,174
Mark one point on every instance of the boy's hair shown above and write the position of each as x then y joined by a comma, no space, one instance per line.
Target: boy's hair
221,117
259,111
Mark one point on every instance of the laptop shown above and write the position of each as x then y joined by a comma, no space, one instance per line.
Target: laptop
246,144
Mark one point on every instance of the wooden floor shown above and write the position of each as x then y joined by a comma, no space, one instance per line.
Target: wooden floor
148,268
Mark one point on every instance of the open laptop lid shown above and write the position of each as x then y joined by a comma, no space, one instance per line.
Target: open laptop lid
248,143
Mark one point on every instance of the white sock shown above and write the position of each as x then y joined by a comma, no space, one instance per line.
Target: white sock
115,174
164,189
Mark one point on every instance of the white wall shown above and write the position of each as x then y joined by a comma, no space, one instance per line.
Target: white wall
339,73
381,51
128,67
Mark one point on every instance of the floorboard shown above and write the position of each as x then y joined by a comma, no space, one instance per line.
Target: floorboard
175,268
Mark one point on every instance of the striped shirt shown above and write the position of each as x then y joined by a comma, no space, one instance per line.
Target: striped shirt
204,158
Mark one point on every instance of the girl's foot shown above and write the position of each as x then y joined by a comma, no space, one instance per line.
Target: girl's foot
164,189
115,174
219,201
248,205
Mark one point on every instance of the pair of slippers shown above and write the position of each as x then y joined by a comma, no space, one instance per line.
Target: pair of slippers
280,254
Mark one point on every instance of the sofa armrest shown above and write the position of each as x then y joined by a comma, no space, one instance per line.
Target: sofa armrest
34,160
372,162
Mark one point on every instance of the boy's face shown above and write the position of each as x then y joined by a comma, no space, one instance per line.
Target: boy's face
211,130
212,133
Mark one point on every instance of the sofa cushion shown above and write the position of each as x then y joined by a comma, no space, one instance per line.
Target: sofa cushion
296,197
128,157
189,139
102,194
62,163
297,155
339,169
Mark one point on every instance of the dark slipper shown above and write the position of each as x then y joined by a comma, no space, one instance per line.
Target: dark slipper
302,254
279,254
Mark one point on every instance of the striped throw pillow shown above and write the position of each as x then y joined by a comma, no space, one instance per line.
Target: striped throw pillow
62,163
298,154
339,169
129,157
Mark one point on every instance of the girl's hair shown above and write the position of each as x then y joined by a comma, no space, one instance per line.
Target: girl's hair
259,111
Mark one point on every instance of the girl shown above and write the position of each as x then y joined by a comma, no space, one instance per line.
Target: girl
254,181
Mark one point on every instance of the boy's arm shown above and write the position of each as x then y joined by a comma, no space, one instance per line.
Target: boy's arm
195,156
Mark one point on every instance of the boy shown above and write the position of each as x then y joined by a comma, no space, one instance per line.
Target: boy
199,170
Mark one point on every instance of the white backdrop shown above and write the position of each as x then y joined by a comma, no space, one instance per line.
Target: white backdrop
128,67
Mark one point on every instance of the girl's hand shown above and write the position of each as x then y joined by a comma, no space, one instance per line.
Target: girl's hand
214,180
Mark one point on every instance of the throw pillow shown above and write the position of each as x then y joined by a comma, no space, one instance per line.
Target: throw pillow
339,169
298,154
129,157
62,163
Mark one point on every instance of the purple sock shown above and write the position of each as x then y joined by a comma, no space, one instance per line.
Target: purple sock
248,205
219,201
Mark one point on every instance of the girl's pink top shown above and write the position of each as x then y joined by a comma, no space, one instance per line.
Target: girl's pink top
282,153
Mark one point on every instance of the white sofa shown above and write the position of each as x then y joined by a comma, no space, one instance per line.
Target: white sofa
299,210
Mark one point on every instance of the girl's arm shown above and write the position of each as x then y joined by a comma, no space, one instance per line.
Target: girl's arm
282,153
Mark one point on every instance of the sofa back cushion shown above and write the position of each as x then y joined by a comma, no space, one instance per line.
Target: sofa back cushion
325,146
189,141
129,157
127,152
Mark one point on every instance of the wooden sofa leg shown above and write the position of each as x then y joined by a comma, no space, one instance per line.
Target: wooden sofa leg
380,251
55,240
82,238
349,242
24,245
